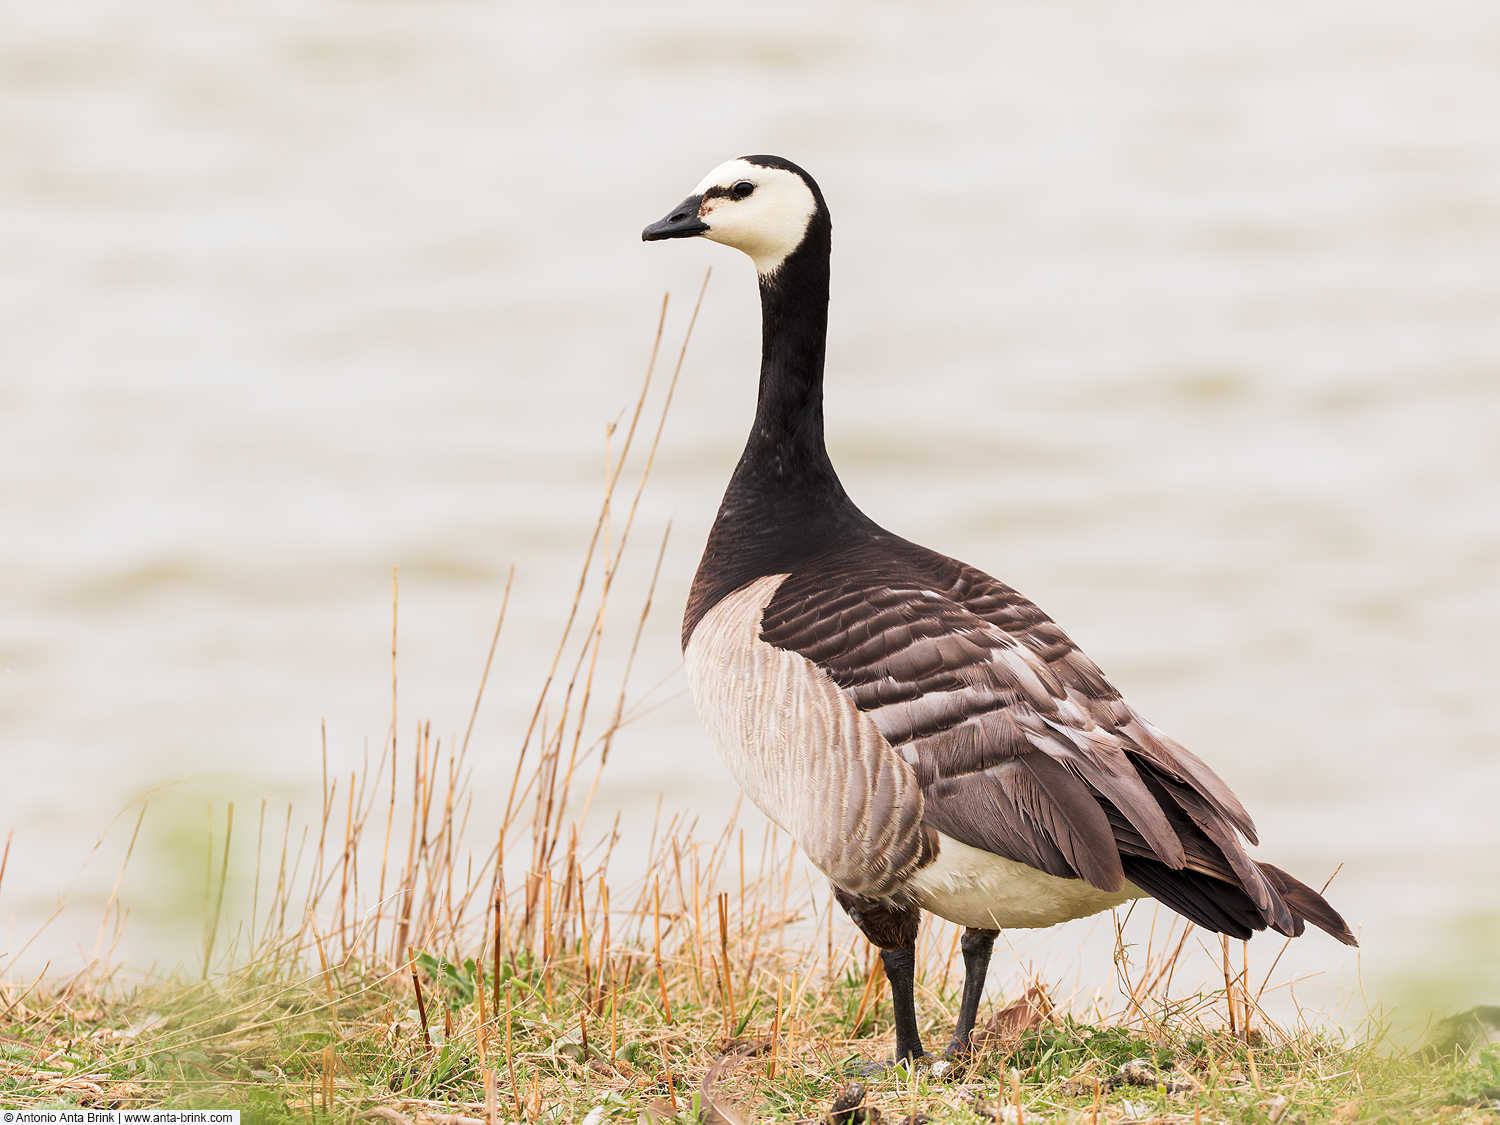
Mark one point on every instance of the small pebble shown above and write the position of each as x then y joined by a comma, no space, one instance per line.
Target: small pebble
1179,1083
1137,1072
848,1106
1082,1086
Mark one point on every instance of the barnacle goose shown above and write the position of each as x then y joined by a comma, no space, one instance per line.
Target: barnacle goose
931,738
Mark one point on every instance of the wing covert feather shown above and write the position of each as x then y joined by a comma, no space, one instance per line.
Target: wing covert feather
1018,741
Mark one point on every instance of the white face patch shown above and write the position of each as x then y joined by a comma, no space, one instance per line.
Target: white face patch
769,223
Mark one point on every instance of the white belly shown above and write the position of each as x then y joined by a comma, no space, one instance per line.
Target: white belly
977,888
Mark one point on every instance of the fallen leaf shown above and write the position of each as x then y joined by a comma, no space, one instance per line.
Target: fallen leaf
1010,1022
1347,1112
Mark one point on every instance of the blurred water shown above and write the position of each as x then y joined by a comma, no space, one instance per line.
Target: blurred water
1182,318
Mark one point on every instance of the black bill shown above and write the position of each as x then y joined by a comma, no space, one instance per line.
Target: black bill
683,222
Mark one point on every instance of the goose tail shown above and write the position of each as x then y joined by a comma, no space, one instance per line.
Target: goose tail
1307,905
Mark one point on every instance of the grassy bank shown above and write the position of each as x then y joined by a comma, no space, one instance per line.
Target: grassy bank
396,965
679,1000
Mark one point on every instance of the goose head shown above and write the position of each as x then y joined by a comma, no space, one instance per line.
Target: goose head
762,205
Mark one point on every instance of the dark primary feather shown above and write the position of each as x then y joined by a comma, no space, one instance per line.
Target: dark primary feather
1021,745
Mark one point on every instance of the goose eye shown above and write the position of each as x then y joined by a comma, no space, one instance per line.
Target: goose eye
742,189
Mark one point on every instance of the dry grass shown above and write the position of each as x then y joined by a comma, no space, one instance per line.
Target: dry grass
388,969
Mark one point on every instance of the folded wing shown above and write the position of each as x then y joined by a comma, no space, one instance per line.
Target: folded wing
1023,748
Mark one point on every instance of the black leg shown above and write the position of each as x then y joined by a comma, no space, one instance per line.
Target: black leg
977,946
901,971
894,929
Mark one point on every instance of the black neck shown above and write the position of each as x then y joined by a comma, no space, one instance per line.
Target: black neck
785,450
784,502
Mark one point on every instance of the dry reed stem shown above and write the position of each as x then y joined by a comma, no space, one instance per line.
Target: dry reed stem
582,582
114,893
416,983
213,933
1228,985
